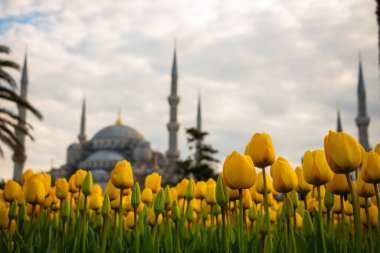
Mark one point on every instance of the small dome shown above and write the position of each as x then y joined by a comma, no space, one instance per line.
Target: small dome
74,146
118,132
105,155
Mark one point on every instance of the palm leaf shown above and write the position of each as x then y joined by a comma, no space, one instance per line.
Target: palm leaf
7,78
4,49
17,127
9,64
15,117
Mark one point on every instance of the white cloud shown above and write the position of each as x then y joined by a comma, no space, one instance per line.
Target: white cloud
274,66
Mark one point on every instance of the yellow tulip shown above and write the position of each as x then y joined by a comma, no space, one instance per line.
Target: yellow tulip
338,185
173,194
95,201
234,194
153,181
196,205
47,183
111,191
257,197
12,191
96,189
303,186
299,221
152,217
200,189
181,187
79,177
316,170
259,186
210,194
261,150
247,200
377,149
35,190
238,171
130,220
147,196
122,176
343,153
363,202
72,185
348,209
371,168
337,206
4,219
26,175
364,189
284,176
62,188
373,216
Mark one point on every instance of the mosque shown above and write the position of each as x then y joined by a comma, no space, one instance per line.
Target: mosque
123,142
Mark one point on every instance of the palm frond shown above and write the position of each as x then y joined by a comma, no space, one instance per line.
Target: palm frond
7,78
15,117
16,126
4,49
9,64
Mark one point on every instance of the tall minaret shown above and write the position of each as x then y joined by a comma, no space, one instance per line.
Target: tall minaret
362,120
173,154
199,128
82,134
339,123
19,158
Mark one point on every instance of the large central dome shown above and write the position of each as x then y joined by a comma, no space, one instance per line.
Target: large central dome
118,132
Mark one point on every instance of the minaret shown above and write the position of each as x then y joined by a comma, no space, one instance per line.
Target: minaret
362,120
339,123
82,134
199,129
19,158
172,154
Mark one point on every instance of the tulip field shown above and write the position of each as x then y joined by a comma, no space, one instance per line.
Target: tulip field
258,203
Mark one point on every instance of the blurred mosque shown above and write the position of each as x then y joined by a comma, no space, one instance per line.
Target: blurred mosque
122,142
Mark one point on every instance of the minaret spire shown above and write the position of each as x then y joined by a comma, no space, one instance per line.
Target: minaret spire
199,129
339,122
173,125
362,120
19,157
82,133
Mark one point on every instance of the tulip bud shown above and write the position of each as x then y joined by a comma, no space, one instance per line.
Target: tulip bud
284,176
168,196
159,202
136,196
215,210
294,198
13,211
189,214
34,190
12,191
79,177
200,189
252,213
122,176
130,220
55,222
147,196
190,190
221,192
153,181
175,212
65,209
95,202
239,171
106,207
87,184
329,200
261,150
210,194
307,227
316,170
62,188
23,214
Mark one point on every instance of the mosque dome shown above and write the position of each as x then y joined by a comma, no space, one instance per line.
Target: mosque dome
101,159
118,132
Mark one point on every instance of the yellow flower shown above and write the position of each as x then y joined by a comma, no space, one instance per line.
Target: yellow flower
122,176
111,191
47,183
35,190
152,217
200,189
210,194
364,189
257,197
4,219
79,177
95,201
12,191
130,220
373,216
72,185
247,200
371,168
196,205
338,185
343,153
284,176
96,189
303,186
259,186
316,170
26,175
153,181
261,150
181,187
299,221
62,188
377,149
147,196
337,207
234,194
238,171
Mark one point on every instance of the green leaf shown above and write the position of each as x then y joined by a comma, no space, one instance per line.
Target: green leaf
147,246
300,243
116,246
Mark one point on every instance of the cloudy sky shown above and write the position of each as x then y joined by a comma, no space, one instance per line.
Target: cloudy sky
275,66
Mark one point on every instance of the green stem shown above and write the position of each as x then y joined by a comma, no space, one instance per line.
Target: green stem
104,234
137,239
225,242
343,224
84,225
267,219
378,206
121,215
241,243
369,228
320,219
357,230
